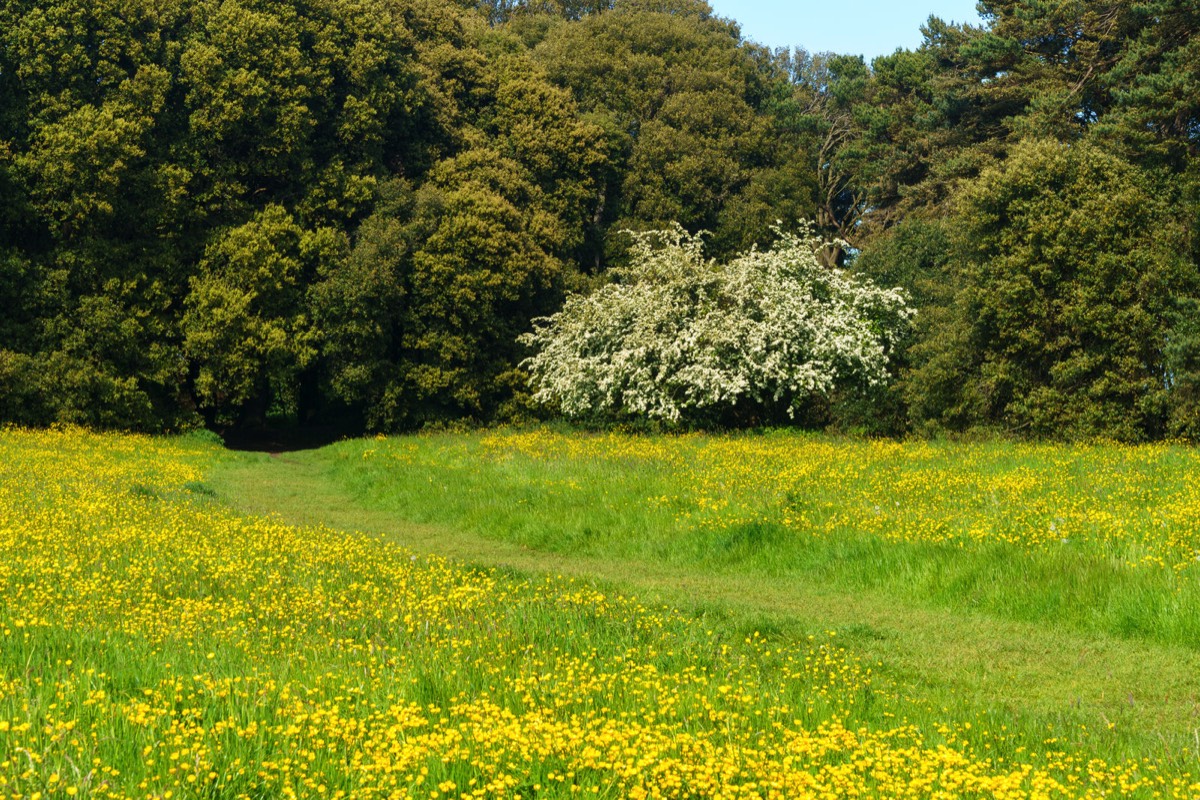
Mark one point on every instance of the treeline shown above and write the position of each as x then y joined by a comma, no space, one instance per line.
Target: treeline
351,210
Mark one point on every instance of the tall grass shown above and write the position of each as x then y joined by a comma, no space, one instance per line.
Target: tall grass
1096,538
156,644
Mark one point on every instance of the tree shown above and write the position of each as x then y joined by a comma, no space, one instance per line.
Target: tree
1155,87
350,210
246,333
481,268
134,136
825,109
684,104
1072,262
358,306
917,256
682,337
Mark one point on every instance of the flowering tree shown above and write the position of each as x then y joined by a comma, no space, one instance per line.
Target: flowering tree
680,335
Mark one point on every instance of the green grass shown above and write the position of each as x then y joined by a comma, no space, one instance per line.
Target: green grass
156,643
646,509
987,615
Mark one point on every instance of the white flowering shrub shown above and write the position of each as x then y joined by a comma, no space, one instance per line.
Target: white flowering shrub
679,335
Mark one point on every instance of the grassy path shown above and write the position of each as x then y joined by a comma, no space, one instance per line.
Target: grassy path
1144,697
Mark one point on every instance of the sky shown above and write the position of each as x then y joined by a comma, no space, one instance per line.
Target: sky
867,27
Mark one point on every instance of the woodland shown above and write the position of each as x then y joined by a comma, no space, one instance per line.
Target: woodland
353,212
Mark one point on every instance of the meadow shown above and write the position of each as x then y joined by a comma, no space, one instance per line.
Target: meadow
545,614
1097,538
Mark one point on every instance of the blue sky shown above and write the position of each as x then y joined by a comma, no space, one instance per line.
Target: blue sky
869,27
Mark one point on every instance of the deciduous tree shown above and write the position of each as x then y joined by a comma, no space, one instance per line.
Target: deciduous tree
679,336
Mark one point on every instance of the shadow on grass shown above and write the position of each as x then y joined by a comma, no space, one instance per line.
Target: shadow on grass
285,439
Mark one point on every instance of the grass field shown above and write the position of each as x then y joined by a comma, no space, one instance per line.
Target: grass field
455,615
1100,539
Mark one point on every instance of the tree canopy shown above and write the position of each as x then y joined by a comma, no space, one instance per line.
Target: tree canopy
226,211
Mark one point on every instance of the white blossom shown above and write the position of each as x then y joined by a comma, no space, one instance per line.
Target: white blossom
677,331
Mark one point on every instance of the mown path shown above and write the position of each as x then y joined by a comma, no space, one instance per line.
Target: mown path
1144,693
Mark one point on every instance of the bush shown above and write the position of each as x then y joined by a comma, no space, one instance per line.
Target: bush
681,338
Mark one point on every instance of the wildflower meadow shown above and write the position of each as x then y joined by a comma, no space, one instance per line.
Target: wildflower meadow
156,643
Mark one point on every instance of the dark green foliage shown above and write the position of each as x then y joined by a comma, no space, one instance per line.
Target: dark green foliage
1155,86
1070,258
480,272
685,109
152,139
357,304
1181,356
1058,298
245,324
348,210
187,209
918,256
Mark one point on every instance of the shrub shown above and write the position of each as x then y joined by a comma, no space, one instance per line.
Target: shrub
679,337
